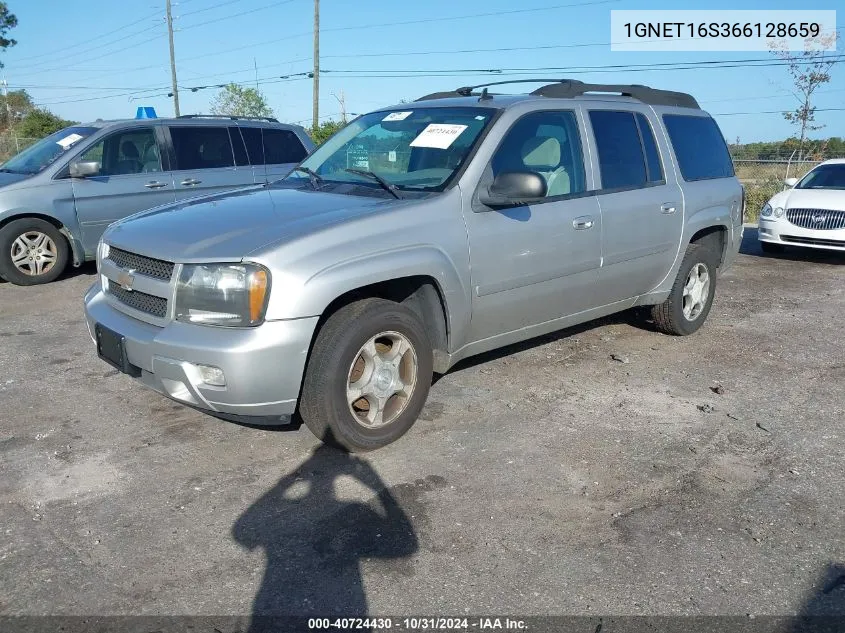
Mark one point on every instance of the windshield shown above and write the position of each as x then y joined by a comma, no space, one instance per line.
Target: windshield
824,177
44,153
418,149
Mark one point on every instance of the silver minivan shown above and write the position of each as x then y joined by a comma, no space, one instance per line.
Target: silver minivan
59,195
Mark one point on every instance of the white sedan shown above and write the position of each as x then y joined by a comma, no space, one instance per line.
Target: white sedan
810,213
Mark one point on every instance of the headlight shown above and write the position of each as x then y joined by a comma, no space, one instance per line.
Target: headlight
766,212
102,252
222,294
778,212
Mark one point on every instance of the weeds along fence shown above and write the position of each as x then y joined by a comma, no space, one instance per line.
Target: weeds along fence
11,145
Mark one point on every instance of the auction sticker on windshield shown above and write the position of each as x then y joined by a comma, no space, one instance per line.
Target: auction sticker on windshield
438,135
69,140
397,116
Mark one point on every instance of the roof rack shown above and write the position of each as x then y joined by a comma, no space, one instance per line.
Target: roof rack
226,116
569,88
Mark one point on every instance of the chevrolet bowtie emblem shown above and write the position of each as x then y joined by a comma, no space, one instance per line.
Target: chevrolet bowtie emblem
125,279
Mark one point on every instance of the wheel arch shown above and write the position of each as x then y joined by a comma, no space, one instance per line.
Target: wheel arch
76,249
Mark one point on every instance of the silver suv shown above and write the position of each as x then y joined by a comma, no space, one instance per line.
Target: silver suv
417,236
58,196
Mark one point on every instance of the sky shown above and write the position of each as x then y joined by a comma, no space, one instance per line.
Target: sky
104,58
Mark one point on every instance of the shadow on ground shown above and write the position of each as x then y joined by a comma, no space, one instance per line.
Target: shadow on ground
751,246
316,542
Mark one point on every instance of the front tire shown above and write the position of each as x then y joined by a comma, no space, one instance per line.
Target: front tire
691,298
32,251
368,375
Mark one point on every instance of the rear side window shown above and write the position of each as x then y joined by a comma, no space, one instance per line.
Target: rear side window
652,156
241,158
202,147
621,158
254,144
282,146
699,147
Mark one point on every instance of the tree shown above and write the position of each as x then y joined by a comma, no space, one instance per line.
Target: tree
39,123
323,131
809,69
235,100
7,21
14,107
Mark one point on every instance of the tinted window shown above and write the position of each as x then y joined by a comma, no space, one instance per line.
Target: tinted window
282,146
202,147
620,151
254,144
831,176
652,157
699,147
546,143
241,157
133,151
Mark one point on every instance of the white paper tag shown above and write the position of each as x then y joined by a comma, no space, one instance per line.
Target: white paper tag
69,140
397,116
438,135
391,156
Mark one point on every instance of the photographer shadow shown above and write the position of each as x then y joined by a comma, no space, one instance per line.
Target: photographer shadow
315,542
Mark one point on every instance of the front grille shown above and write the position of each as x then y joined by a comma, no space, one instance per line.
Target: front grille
141,301
813,240
140,264
818,219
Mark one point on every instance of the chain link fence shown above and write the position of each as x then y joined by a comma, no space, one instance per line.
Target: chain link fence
763,178
11,145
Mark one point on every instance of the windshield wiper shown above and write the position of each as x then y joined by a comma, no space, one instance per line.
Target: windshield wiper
381,181
313,176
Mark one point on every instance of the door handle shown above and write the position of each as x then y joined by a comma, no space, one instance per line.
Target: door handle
667,207
582,223
190,182
154,184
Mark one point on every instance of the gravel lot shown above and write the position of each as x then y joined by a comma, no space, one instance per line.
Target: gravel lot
692,475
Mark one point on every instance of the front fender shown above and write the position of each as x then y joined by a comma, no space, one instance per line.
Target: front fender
313,296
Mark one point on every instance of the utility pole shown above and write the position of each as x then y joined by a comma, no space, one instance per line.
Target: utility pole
9,114
316,97
341,100
172,58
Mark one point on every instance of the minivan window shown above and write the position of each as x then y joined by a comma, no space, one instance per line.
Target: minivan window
652,156
201,147
45,152
621,159
254,144
282,146
547,143
699,147
241,157
132,151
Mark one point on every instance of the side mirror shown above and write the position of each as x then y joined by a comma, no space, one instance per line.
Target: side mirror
790,182
514,187
84,170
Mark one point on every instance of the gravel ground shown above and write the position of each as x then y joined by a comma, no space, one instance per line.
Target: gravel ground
697,475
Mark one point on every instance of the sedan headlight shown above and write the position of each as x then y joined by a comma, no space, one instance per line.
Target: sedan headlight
232,295
766,212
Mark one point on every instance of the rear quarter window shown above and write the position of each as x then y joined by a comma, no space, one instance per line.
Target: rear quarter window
699,147
282,146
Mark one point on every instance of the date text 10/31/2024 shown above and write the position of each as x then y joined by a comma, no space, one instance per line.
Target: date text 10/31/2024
419,624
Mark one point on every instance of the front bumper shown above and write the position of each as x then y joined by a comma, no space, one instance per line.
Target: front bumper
263,365
782,231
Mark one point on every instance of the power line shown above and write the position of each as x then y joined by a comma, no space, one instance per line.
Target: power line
235,15
64,49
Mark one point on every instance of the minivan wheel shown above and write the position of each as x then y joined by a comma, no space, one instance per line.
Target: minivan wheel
32,251
368,375
691,298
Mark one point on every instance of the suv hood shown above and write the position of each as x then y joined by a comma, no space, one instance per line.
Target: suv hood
228,227
828,199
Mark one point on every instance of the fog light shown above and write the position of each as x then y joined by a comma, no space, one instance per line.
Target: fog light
212,375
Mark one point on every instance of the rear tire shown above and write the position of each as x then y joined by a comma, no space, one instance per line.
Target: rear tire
771,248
368,375
691,298
32,252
